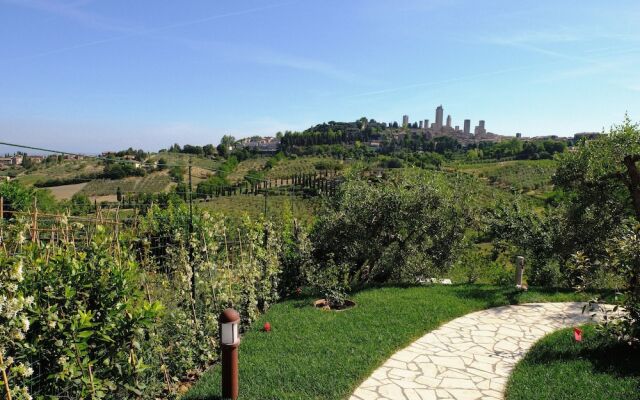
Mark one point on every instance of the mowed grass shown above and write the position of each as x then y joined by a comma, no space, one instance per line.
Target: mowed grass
315,354
558,367
153,183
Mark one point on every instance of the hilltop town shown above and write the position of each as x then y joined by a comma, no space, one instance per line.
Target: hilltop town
379,133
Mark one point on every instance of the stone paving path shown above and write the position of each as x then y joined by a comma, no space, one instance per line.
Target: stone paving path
470,357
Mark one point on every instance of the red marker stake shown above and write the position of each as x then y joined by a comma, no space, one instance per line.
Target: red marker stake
577,334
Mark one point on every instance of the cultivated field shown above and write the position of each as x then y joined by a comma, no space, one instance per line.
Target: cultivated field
254,206
65,192
153,183
528,176
66,169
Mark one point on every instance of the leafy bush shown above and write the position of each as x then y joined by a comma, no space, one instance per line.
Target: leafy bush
131,313
397,230
88,319
331,281
67,181
80,204
532,235
119,170
254,177
18,197
328,165
602,179
176,173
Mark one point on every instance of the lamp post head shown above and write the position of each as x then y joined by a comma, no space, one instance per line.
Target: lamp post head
229,320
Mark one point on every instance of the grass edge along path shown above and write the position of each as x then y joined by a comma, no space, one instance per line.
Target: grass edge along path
558,367
315,354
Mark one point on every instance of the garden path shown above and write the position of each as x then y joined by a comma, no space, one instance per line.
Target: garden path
470,357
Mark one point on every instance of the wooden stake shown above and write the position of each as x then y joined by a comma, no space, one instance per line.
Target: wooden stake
5,379
34,221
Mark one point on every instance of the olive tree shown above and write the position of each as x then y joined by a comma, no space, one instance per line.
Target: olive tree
602,181
398,229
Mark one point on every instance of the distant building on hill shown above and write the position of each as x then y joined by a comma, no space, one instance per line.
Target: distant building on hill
405,121
439,116
587,135
480,129
267,144
467,126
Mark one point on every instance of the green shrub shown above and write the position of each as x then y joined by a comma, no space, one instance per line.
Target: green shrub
88,319
400,229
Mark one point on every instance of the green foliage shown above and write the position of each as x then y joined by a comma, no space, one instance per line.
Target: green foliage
603,172
88,318
119,170
389,162
271,162
295,256
211,186
227,167
18,197
474,265
535,236
328,165
226,143
162,164
88,311
602,181
331,281
150,183
254,177
397,230
14,325
234,265
80,204
624,258
176,173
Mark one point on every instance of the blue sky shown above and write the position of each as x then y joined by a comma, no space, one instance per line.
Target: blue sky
87,76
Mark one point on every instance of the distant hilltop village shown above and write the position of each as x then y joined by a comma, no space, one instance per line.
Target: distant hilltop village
442,128
373,133
392,130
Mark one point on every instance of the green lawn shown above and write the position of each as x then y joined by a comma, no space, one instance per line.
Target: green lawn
315,354
558,367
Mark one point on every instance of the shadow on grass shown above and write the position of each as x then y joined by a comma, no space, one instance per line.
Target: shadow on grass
605,355
492,296
501,296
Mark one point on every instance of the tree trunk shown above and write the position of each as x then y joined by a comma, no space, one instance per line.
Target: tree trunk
634,182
